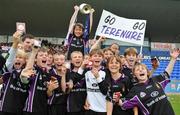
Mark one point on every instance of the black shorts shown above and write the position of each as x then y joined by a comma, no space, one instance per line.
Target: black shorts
57,110
75,113
34,113
8,113
90,112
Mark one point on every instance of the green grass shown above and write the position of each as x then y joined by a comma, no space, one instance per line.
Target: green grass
175,101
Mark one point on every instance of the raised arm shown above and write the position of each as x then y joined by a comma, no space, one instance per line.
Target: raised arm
174,55
91,19
97,43
31,59
73,18
71,24
28,70
155,65
63,78
13,50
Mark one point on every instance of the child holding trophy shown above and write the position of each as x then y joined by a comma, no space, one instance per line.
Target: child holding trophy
77,37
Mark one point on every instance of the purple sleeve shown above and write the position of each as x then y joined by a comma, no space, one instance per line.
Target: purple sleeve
166,80
135,102
163,79
164,83
70,38
128,104
6,76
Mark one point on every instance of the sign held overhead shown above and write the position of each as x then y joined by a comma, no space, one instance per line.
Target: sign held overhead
123,29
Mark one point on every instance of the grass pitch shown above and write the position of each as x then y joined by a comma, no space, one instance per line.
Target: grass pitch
175,101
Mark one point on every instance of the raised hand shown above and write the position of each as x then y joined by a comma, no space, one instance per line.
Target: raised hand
95,72
76,8
102,38
27,72
155,63
175,53
85,63
52,84
92,11
16,36
139,58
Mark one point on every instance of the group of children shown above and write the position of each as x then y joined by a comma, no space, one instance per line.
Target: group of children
38,82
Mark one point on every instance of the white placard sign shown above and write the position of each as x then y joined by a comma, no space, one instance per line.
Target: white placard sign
123,29
21,26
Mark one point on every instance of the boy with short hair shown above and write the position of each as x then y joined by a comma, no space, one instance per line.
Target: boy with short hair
39,81
57,102
94,85
77,93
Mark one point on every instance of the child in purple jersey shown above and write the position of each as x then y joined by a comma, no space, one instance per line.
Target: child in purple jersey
149,93
77,93
76,40
57,101
39,81
119,85
13,91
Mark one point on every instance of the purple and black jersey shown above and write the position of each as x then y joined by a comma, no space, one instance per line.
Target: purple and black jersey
77,96
128,72
57,102
150,97
13,93
37,98
121,85
75,44
58,97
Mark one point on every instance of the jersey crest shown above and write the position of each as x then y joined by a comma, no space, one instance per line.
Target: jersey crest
142,94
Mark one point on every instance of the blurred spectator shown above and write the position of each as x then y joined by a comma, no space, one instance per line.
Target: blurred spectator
27,40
